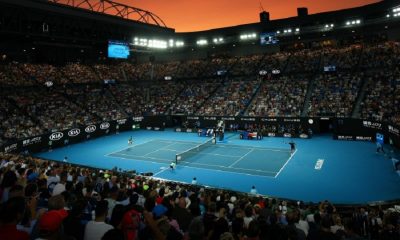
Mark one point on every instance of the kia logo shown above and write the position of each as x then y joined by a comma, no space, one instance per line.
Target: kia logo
90,129
56,136
104,125
74,132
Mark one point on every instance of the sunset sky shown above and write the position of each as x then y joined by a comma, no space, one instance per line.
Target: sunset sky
190,15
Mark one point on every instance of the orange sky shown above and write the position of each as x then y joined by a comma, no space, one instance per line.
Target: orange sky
190,15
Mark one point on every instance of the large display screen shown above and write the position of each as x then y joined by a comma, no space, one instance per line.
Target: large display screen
118,49
268,38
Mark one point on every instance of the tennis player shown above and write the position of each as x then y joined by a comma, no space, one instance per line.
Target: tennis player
172,166
292,146
253,190
130,141
194,181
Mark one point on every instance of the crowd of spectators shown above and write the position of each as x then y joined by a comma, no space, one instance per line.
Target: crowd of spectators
52,108
154,99
220,64
14,123
27,74
42,73
97,101
382,97
193,96
79,73
193,69
156,71
303,61
384,55
382,94
106,72
335,94
49,200
159,97
280,96
370,69
344,58
18,77
4,77
129,98
170,69
140,72
246,65
231,98
275,61
131,72
253,64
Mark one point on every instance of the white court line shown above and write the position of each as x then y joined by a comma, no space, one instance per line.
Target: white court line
170,150
256,170
249,148
215,170
147,141
193,163
176,141
158,149
285,163
218,146
218,170
216,154
162,159
212,165
136,160
165,169
133,157
132,146
202,164
121,150
241,158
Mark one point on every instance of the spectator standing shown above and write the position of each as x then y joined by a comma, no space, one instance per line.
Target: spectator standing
11,214
96,229
253,190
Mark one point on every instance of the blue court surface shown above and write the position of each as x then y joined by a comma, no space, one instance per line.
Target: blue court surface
321,168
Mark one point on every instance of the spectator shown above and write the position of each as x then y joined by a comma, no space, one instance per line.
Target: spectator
182,214
253,190
97,228
60,186
50,224
9,180
11,214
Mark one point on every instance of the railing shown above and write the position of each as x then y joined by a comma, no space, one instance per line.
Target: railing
115,9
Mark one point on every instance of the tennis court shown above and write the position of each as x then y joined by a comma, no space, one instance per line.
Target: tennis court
266,162
317,170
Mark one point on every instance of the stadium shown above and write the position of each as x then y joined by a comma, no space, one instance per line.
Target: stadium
116,126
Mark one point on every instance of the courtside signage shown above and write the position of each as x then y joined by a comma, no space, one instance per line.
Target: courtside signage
74,132
90,128
56,136
104,125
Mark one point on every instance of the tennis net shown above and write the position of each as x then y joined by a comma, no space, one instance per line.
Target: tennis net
183,156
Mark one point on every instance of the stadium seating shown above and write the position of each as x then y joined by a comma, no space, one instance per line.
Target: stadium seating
51,187
284,77
357,87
